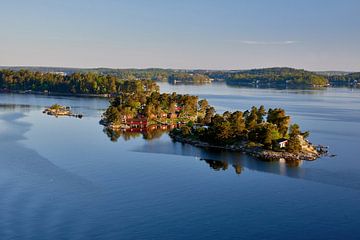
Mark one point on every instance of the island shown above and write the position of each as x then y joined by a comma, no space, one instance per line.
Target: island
264,134
58,110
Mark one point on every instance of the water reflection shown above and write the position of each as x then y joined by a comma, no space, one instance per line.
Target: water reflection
4,107
216,159
282,168
148,133
220,160
223,165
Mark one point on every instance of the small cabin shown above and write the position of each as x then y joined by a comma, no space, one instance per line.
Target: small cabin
282,142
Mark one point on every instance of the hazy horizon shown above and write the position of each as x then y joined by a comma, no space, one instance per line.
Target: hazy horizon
215,35
190,69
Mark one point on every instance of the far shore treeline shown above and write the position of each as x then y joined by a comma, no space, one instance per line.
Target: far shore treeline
109,81
76,83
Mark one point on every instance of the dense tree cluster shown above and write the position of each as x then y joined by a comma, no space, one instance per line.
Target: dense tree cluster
271,76
351,79
188,78
76,83
156,107
256,126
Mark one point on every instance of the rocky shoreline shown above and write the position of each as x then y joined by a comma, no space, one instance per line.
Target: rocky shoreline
257,152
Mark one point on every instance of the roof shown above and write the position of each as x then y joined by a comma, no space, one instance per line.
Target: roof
280,140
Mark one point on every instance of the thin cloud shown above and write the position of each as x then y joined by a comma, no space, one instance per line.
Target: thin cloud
269,43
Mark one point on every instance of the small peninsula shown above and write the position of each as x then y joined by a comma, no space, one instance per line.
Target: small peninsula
264,134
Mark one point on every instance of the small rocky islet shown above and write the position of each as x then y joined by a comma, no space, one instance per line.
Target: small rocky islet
58,111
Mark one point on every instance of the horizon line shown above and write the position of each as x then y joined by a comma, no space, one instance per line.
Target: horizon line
173,68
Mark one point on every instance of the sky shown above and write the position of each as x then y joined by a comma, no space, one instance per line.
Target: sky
181,34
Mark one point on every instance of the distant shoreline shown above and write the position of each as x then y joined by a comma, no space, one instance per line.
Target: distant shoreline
80,95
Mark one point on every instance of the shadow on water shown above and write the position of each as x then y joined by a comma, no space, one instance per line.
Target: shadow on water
18,161
35,193
221,160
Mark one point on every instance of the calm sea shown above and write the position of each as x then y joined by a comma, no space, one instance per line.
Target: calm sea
63,178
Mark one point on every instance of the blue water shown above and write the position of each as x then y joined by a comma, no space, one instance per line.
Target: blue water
62,178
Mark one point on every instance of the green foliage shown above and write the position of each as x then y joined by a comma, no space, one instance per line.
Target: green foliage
261,113
252,118
294,144
56,107
278,117
184,77
230,128
305,134
272,76
238,124
153,106
209,114
350,79
76,83
190,124
265,134
185,130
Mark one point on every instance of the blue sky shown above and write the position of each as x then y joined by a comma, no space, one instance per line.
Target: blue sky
212,34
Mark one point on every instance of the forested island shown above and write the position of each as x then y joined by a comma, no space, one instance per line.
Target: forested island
107,82
265,134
